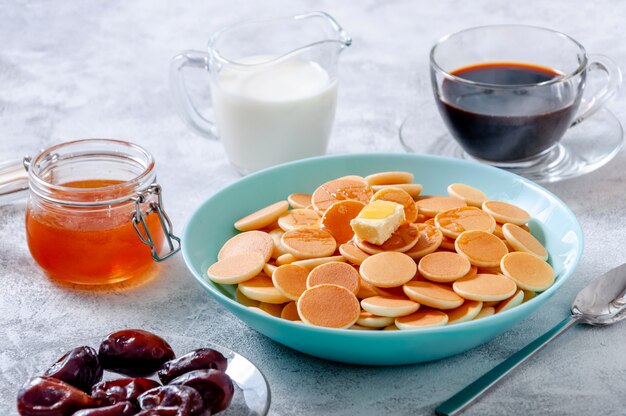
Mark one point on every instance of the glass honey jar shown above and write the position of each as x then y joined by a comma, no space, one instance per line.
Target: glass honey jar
95,213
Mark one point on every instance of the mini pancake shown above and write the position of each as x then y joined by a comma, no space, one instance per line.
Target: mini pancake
481,248
274,309
335,273
485,287
421,218
310,264
493,304
485,312
528,295
299,218
369,320
279,250
402,240
269,269
489,270
290,312
285,259
389,269
392,327
366,290
472,196
528,271
308,243
433,205
466,312
244,300
444,266
399,196
511,302
262,217
422,319
357,327
290,280
447,243
391,291
522,240
389,178
329,306
236,269
258,310
429,240
262,288
299,200
434,295
454,221
352,253
340,190
498,231
248,242
336,219
430,221
504,212
391,306
413,189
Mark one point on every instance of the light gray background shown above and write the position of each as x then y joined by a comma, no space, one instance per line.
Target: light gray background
77,69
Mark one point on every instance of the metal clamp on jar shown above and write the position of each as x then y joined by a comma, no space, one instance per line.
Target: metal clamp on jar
95,212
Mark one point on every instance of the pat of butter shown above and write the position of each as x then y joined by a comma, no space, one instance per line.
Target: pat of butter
377,221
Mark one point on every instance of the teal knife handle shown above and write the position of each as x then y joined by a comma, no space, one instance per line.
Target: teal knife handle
460,401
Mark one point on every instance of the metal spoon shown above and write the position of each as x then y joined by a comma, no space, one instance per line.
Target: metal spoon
602,302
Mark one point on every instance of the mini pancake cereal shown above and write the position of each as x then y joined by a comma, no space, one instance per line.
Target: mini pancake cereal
504,212
388,269
433,205
389,178
330,306
454,221
444,267
290,280
308,243
422,319
352,253
339,190
371,254
472,196
528,271
263,217
481,248
336,219
335,273
299,218
299,200
248,242
485,287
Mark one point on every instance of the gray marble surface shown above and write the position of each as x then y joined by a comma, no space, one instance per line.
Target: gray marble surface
77,69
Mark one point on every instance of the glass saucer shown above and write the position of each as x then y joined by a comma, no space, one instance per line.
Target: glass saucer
252,393
584,148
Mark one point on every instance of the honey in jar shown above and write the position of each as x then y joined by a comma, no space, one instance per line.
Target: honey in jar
94,214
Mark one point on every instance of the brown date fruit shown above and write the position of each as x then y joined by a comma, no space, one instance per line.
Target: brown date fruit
47,396
119,409
200,359
215,387
182,398
122,389
79,367
134,352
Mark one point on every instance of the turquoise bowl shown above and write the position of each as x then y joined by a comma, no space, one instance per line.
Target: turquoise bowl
211,225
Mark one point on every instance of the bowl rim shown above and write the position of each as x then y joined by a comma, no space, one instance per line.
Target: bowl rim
528,306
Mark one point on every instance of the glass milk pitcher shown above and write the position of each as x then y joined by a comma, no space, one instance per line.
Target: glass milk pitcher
273,88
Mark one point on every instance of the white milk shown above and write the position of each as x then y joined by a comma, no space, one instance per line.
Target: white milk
274,115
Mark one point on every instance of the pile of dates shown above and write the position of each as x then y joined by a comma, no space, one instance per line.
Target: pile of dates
193,384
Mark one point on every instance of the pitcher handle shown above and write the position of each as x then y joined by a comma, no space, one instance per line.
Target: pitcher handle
185,107
610,88
13,180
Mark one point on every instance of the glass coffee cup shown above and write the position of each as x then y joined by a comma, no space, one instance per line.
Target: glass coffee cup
508,93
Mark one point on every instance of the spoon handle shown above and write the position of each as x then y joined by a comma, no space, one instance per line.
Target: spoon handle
463,399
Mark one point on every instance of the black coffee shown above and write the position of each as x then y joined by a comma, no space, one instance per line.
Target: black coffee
507,124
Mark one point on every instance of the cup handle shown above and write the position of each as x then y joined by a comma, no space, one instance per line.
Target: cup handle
13,180
186,109
610,88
